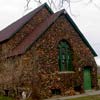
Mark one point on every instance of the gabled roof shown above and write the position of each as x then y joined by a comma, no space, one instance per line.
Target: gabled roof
14,27
29,40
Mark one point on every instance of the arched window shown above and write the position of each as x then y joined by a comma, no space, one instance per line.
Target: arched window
65,57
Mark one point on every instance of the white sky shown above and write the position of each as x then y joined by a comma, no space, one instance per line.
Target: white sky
87,17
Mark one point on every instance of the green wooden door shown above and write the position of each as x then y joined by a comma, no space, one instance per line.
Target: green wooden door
87,79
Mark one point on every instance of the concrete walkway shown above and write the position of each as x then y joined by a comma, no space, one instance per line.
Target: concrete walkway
88,93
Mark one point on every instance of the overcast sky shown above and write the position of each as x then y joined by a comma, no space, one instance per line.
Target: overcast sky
87,17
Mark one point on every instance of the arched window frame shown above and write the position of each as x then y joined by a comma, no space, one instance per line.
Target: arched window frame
65,56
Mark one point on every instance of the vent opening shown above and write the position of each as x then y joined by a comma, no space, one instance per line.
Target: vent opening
6,92
56,91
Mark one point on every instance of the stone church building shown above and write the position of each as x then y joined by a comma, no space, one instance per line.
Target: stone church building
46,49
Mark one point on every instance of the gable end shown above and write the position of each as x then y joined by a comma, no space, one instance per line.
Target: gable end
80,34
9,31
22,48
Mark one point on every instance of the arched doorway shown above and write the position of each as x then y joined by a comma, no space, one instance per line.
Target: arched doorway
87,78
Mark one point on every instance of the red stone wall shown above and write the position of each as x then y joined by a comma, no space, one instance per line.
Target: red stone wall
47,57
41,60
8,45
13,69
25,30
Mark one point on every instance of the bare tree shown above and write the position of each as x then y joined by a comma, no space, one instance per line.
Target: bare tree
58,4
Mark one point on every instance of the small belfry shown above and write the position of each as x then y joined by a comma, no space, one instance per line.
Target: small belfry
45,54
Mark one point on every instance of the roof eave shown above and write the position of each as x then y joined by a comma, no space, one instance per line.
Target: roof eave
76,29
13,31
80,34
49,9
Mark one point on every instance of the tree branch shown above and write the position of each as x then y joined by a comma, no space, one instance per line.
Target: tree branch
58,4
27,4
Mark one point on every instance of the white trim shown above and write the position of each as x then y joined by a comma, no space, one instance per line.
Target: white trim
62,72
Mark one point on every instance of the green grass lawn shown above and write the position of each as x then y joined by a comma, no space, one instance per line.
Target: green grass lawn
5,98
96,97
99,80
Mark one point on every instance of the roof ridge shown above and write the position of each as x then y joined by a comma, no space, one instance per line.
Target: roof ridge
11,29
